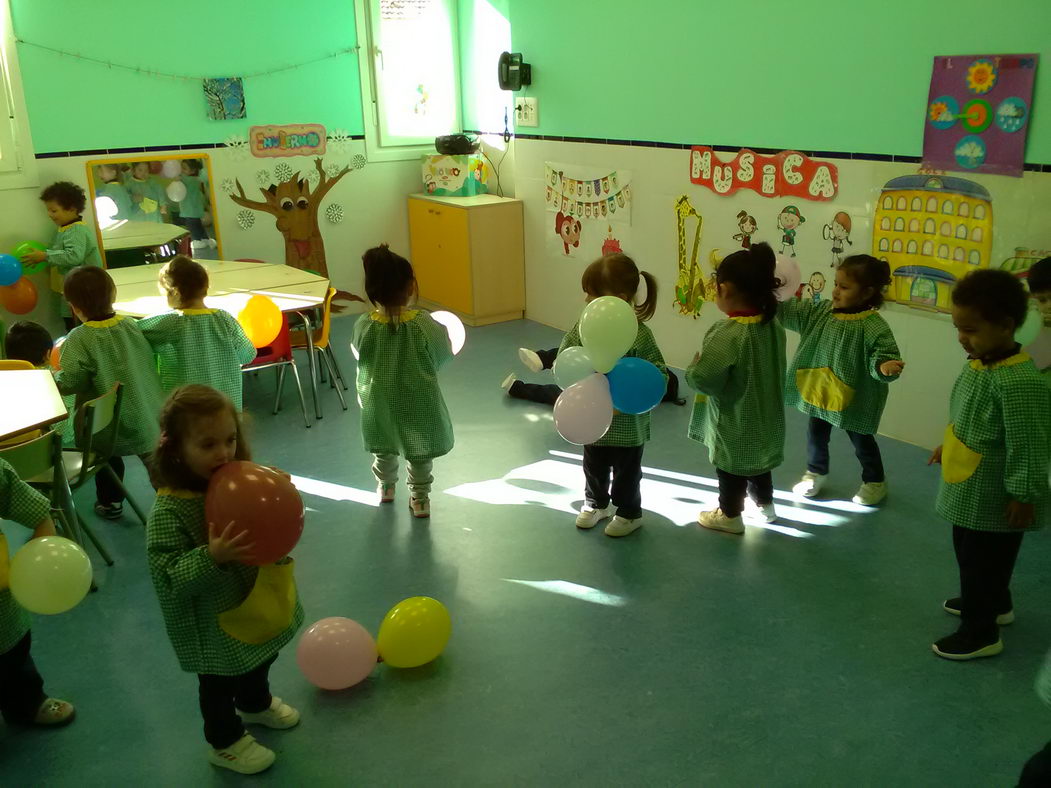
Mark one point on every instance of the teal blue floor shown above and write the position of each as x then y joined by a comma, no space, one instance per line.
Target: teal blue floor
796,655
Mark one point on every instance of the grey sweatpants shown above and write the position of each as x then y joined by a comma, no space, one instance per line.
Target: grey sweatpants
385,467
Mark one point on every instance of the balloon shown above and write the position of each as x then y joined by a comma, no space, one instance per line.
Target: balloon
176,191
584,411
19,298
636,385
25,248
607,330
1026,333
336,653
259,500
261,320
1040,349
787,271
171,169
453,324
56,354
50,575
414,632
571,366
10,269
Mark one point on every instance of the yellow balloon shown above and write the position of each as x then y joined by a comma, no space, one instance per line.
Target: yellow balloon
50,575
261,320
414,632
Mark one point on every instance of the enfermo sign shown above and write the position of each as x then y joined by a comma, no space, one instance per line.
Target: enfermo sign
297,139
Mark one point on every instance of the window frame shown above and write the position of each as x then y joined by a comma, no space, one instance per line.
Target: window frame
375,150
18,168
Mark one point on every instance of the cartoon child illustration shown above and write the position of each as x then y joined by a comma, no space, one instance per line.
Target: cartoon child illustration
611,245
568,229
747,225
816,285
838,232
787,221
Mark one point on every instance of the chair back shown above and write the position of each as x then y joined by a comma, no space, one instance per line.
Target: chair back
183,245
321,333
97,421
34,458
8,364
278,350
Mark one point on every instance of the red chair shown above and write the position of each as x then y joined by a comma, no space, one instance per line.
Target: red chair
184,245
278,354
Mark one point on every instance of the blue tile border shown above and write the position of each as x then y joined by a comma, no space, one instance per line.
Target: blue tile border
150,149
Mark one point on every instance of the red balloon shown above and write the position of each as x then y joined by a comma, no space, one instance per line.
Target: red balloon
19,298
258,500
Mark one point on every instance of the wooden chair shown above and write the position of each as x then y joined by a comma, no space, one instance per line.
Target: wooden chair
279,356
323,347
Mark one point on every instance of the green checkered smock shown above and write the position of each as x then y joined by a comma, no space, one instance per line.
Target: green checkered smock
998,445
627,429
402,409
739,414
24,505
835,374
205,346
100,353
148,189
193,590
73,245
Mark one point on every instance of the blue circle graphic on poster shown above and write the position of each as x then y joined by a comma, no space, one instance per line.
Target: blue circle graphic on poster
970,152
942,112
1011,114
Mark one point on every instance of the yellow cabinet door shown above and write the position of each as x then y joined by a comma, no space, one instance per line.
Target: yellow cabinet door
441,254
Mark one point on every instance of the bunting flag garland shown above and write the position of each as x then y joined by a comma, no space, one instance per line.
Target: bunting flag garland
606,197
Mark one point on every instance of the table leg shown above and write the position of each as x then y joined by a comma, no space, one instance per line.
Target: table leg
64,496
308,329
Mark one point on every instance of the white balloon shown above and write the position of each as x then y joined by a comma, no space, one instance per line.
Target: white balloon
453,324
787,271
176,191
171,169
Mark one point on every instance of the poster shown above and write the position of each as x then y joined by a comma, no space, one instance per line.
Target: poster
225,97
785,174
588,210
297,139
978,110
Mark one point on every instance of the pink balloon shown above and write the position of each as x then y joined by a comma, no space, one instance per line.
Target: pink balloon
787,270
584,411
336,653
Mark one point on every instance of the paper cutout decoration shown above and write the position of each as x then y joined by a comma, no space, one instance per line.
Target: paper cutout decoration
237,145
245,219
225,97
689,283
282,171
334,213
586,195
297,139
747,226
568,229
1023,260
263,177
787,221
785,174
610,245
838,231
977,115
812,288
931,230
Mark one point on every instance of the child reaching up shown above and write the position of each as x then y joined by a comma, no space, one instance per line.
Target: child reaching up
146,195
619,451
846,358
994,459
195,344
227,621
399,352
740,374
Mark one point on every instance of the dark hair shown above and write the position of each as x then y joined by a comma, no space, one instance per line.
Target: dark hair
868,272
617,275
68,195
1040,276
28,341
91,291
178,413
389,279
751,272
996,295
184,278
194,165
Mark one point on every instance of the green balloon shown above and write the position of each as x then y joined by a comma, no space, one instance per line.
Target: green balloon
25,248
608,328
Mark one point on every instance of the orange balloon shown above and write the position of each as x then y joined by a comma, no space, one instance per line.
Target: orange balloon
19,298
56,354
261,320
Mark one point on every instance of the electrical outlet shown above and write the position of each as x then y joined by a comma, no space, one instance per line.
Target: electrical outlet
526,111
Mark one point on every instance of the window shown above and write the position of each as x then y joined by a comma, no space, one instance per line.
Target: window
884,223
928,227
943,251
958,254
914,225
408,56
964,209
932,205
883,245
899,224
976,234
928,248
946,230
961,231
979,211
911,248
888,202
901,203
947,207
975,257
917,204
17,162
896,246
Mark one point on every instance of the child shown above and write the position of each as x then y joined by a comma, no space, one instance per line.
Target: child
105,350
112,186
399,354
22,697
74,242
193,205
1040,289
994,459
620,450
27,341
846,358
196,344
227,621
740,372
147,196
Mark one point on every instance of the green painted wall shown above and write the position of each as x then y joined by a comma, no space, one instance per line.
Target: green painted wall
809,74
485,32
77,105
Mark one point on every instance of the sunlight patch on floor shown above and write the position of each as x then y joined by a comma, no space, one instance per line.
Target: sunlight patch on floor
574,590
335,492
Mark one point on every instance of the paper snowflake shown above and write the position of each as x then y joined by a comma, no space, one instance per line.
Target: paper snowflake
262,177
237,144
358,162
228,186
283,172
334,212
332,170
313,176
245,219
339,140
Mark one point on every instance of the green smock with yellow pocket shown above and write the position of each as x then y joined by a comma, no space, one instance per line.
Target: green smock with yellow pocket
24,505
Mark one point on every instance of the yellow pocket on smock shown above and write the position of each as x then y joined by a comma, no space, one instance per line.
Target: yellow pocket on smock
959,462
148,206
268,609
5,564
821,388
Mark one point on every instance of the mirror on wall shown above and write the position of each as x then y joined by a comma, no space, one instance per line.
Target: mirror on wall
148,210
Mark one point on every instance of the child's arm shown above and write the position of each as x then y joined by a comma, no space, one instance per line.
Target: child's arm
1027,435
159,330
710,369
794,313
186,568
884,358
22,504
71,251
648,350
243,346
78,367
439,346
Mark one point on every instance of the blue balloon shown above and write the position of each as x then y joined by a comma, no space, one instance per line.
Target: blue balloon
10,270
636,385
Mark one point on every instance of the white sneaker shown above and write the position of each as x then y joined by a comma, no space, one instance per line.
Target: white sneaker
420,508
717,521
589,517
810,485
246,756
385,492
213,243
871,493
622,526
530,359
279,716
767,513
198,245
508,382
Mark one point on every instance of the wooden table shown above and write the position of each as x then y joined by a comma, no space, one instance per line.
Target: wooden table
231,284
136,235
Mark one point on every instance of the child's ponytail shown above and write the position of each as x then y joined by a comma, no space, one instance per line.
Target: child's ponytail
647,308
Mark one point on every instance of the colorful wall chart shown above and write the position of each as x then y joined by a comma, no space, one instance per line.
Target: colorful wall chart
978,113
785,174
590,210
